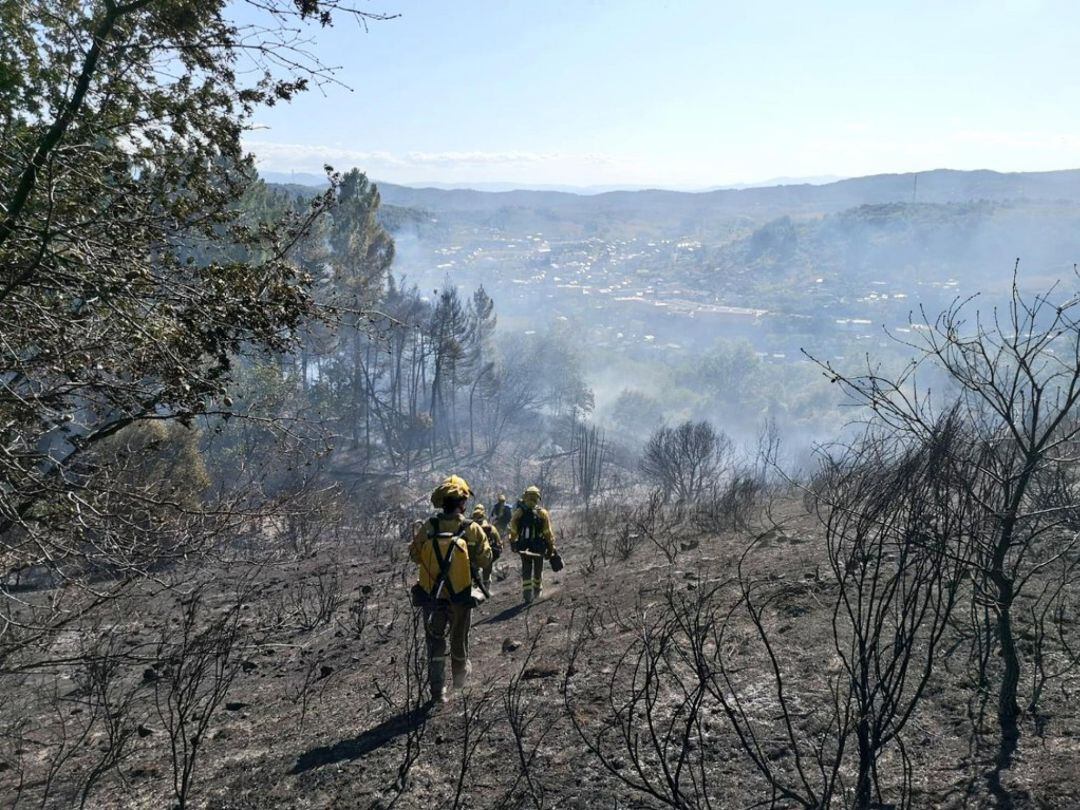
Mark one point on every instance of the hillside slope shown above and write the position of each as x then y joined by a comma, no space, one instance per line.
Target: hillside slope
332,718
901,246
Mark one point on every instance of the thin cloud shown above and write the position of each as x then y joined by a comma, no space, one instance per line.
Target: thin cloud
293,156
1024,139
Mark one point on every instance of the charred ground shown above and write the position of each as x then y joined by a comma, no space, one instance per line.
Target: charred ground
324,704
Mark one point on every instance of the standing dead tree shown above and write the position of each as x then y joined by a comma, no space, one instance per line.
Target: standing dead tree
896,519
197,664
477,720
1016,377
590,455
314,601
113,701
654,738
315,678
523,720
63,737
597,527
661,733
743,496
657,523
685,460
413,704
798,744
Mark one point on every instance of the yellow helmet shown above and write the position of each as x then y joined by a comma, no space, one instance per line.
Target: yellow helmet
478,512
453,487
502,499
531,496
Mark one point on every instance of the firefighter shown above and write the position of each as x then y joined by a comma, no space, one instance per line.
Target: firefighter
445,548
532,538
479,517
501,515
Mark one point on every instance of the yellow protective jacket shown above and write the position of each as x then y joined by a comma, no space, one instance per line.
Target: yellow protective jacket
494,539
472,550
538,524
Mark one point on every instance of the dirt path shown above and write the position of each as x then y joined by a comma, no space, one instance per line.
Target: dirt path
358,732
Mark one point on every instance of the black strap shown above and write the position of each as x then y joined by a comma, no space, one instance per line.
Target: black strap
433,527
443,579
527,524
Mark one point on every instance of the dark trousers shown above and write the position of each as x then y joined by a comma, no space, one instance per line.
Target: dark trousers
532,576
447,621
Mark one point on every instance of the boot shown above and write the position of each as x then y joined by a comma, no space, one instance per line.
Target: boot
437,677
461,670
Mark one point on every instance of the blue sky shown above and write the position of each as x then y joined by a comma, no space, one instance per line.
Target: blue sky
687,93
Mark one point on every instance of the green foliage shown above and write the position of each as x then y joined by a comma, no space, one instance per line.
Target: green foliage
140,261
557,364
731,374
636,415
361,249
162,461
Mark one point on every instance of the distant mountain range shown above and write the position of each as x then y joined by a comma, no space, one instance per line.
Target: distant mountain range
319,181
294,178
780,181
937,186
711,216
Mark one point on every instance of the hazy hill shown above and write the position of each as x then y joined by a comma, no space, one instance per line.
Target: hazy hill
765,245
717,215
972,243
712,216
940,185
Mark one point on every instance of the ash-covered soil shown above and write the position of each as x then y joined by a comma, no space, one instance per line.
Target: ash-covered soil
333,715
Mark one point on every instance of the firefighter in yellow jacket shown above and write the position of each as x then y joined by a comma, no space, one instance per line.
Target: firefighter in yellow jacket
479,517
446,548
532,538
501,515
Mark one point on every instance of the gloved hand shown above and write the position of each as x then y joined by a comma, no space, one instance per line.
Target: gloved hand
556,562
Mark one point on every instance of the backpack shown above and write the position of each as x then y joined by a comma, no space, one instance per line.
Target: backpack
493,539
471,596
529,536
